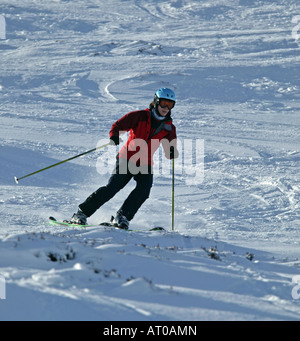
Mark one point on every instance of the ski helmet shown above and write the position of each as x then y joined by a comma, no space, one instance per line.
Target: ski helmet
164,93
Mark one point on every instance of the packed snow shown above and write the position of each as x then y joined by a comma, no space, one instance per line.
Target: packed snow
69,69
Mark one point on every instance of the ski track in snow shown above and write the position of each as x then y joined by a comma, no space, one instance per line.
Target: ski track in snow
69,70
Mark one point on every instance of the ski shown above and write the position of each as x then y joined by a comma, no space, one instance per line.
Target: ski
53,221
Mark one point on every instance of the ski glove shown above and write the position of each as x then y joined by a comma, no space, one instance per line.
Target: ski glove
114,140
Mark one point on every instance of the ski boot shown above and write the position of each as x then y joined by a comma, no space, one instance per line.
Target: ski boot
78,218
120,221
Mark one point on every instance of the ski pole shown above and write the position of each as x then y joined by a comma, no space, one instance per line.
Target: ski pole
173,182
59,163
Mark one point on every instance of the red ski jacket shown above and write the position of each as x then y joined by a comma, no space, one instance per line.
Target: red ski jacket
143,139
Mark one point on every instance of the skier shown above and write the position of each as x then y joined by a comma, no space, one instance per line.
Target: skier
148,128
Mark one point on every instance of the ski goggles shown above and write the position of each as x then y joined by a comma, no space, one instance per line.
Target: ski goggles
166,103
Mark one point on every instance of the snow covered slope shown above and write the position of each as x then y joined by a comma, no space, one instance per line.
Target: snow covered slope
69,69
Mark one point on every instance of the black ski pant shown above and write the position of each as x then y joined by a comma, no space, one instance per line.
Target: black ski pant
117,181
